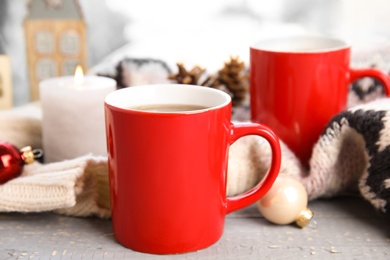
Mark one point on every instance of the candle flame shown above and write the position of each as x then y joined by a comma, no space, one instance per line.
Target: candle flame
78,75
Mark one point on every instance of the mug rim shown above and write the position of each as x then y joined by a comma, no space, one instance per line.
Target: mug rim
111,99
335,44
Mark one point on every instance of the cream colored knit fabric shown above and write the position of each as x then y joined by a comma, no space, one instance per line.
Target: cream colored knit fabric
249,160
79,187
21,126
74,187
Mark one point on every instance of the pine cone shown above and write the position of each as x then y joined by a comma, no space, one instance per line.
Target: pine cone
232,79
235,77
187,77
214,82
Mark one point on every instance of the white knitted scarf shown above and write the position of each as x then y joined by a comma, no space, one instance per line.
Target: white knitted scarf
351,156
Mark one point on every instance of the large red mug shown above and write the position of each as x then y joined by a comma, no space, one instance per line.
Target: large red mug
168,156
298,83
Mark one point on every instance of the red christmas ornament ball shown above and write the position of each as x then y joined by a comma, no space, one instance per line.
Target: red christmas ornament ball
11,162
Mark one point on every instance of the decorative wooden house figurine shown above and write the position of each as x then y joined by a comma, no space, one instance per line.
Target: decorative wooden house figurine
56,40
5,82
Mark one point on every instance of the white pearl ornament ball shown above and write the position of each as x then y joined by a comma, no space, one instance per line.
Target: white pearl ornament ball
286,202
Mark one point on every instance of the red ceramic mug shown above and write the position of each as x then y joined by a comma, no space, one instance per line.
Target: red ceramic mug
168,169
298,83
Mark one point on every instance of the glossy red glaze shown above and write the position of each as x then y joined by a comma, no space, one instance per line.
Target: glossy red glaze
11,163
168,176
296,93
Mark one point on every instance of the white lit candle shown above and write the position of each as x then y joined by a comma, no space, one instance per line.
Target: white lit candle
73,115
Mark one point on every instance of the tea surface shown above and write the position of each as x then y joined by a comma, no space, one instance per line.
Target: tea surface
168,107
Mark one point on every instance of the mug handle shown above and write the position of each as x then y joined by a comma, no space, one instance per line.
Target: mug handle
254,194
355,74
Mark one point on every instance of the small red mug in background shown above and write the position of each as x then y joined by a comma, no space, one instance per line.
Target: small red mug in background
298,83
168,170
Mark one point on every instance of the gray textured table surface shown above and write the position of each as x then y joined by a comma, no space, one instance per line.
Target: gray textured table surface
344,228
